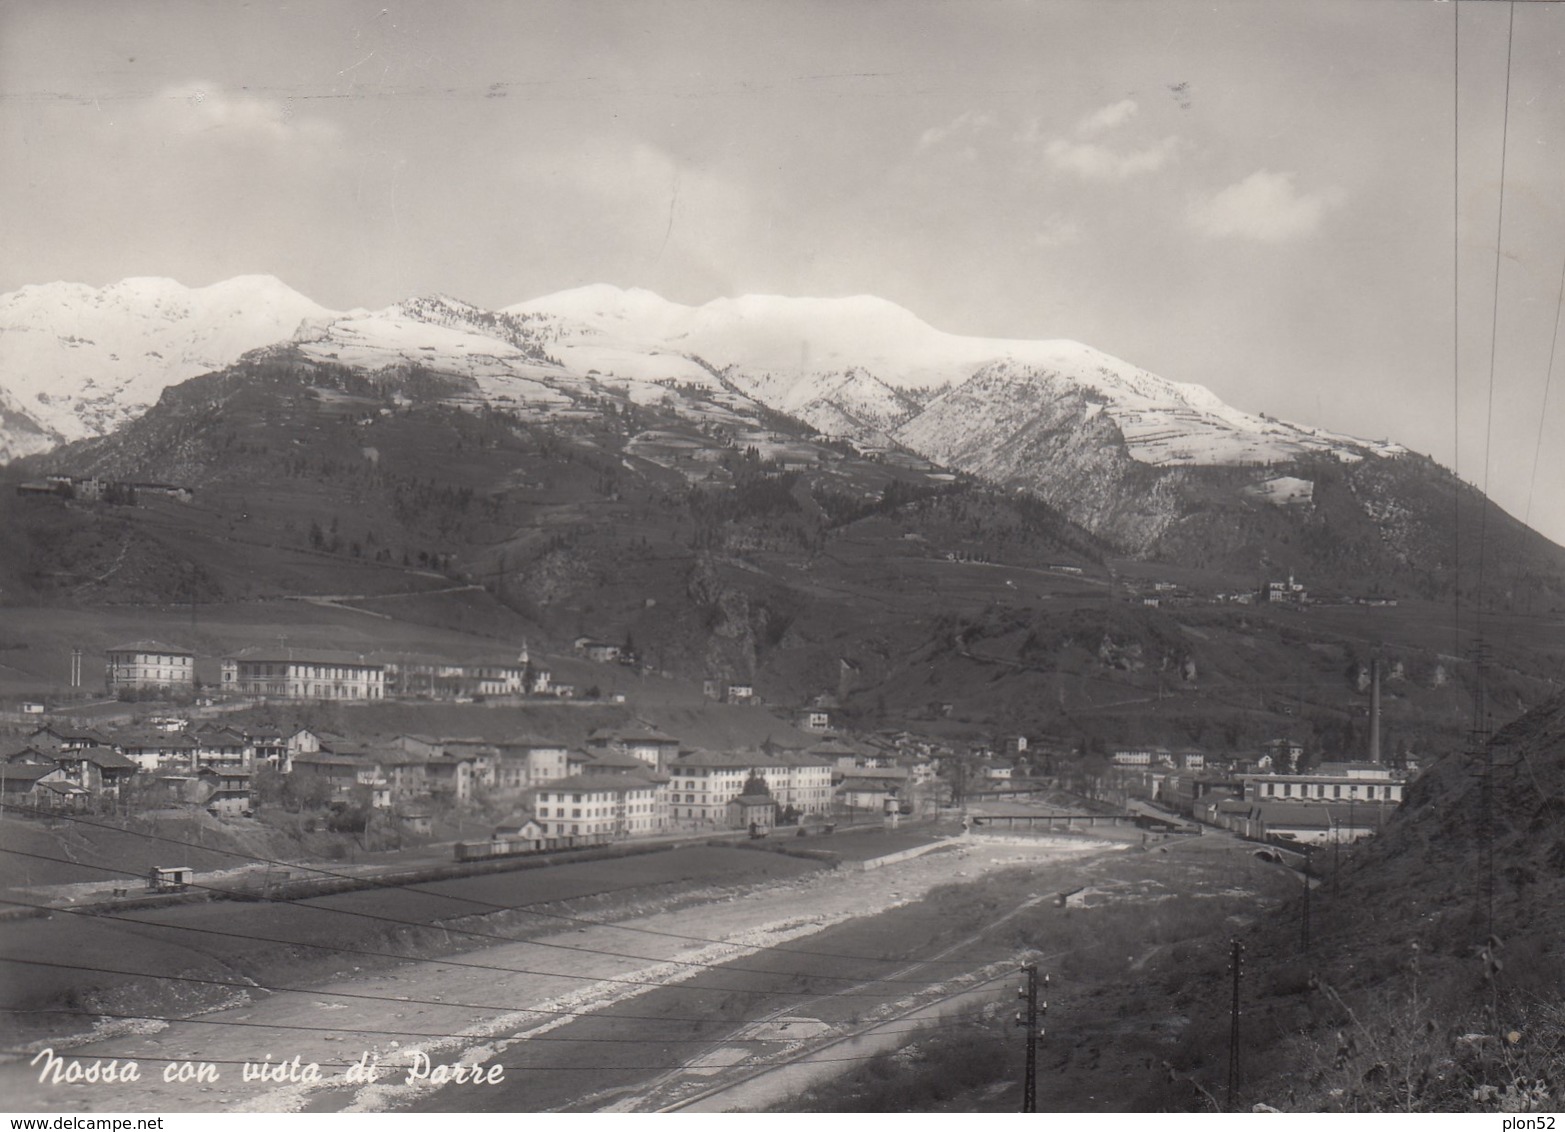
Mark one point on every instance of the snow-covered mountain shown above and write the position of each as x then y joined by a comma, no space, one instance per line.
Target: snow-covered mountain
842,365
1059,385
1056,418
78,361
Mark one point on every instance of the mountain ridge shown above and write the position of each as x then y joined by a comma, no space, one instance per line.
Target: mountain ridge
844,361
1157,468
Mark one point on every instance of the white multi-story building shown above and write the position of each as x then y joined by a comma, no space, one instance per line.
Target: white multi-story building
1321,788
296,675
597,808
150,665
802,782
702,783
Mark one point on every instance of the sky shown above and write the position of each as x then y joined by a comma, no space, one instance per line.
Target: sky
1296,203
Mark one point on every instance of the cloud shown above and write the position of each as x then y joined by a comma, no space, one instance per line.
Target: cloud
1116,114
1264,206
1057,231
205,110
971,121
1099,163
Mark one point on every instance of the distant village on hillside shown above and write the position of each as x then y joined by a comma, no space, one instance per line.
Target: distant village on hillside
622,782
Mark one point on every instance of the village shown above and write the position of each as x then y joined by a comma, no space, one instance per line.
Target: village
786,771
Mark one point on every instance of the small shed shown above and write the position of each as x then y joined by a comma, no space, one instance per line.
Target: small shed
175,878
418,824
522,827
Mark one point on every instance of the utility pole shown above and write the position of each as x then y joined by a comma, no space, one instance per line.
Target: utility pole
1029,1020
1481,739
1235,962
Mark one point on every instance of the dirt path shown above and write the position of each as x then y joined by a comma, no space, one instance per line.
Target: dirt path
450,1014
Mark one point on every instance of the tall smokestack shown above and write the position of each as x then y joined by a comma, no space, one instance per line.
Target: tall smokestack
1374,711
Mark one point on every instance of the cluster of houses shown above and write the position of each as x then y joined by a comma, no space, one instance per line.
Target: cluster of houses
625,781
64,769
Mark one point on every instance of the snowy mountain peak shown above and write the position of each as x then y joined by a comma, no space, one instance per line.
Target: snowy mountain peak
77,361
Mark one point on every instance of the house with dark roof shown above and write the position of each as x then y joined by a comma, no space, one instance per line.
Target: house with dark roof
101,771
222,748
155,750
35,786
449,777
347,773
608,761
226,790
33,755
485,758
652,747
70,738
269,748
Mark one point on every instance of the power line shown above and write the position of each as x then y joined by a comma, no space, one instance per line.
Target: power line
1456,326
1543,409
374,883
445,928
1494,320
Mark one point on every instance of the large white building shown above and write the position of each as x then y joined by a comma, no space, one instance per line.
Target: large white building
596,808
1334,782
702,783
288,674
150,666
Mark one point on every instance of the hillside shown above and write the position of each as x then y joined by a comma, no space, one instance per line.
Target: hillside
544,473
1152,468
1416,1001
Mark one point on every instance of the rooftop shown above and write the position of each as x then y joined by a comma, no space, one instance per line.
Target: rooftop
597,783
151,647
303,656
731,760
607,758
26,772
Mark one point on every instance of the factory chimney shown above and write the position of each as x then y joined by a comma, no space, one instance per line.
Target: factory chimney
1374,712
